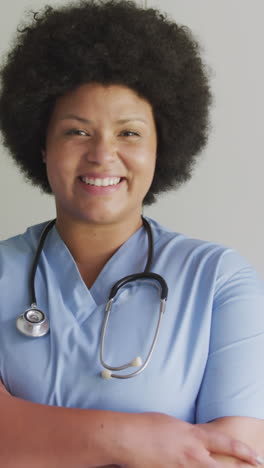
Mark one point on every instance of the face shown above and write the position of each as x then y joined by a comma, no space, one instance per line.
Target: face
100,153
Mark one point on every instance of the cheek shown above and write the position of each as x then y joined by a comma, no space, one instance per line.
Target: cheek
58,159
143,172
146,164
143,157
59,169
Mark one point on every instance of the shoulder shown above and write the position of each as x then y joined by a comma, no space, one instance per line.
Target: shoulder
215,260
20,246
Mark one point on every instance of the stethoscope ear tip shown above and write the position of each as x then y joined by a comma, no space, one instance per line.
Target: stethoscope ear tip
137,362
106,374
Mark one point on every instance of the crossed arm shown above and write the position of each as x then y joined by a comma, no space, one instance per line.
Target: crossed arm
41,436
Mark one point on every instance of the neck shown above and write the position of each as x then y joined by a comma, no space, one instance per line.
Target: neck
89,242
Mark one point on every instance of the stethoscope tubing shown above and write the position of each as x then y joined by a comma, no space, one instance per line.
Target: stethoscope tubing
43,236
34,322
130,363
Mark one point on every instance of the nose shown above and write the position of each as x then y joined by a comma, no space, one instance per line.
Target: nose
102,149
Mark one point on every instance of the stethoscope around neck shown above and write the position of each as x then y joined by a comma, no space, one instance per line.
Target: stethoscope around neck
34,322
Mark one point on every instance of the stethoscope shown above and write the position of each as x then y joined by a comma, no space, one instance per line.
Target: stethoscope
34,322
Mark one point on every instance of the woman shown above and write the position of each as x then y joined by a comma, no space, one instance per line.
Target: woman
105,105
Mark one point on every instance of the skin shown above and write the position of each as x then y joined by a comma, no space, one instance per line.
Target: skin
119,139
87,438
98,142
113,133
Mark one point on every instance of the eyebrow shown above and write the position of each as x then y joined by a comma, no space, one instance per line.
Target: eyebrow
86,121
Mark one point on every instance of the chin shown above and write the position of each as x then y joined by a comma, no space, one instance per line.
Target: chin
102,218
100,214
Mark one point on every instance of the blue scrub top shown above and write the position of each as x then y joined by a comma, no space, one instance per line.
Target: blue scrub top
208,360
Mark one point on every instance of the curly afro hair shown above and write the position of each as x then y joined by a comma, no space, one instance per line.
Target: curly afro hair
112,42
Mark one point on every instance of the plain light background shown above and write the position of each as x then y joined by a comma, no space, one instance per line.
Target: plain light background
224,199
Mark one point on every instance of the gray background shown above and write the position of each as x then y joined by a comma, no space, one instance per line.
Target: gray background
223,201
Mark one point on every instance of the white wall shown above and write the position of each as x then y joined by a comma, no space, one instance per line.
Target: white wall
223,201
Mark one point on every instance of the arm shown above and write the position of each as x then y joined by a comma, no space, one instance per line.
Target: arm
233,382
34,435
41,436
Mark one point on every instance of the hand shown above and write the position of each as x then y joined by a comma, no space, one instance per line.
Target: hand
154,440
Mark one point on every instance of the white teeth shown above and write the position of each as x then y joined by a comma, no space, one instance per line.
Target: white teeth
101,182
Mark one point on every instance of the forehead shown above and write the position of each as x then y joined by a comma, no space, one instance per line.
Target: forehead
96,98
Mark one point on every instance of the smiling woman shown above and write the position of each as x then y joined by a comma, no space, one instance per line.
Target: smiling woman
105,128
100,154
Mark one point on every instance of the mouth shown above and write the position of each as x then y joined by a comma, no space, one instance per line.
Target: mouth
105,186
102,181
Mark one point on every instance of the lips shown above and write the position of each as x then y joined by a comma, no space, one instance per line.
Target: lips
103,185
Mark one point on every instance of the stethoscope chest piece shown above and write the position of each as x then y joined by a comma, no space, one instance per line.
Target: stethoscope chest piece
33,322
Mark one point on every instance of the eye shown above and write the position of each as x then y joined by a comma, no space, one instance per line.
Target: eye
129,133
75,131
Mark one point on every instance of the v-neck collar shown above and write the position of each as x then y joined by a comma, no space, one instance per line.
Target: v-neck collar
130,258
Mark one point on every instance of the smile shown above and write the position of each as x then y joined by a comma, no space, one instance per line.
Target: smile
105,182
